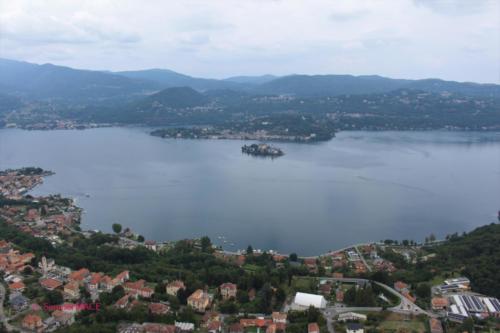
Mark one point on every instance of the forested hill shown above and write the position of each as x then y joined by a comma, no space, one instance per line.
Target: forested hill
475,255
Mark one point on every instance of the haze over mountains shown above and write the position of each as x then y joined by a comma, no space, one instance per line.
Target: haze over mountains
49,81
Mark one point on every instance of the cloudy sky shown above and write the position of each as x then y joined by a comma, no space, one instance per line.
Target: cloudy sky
450,39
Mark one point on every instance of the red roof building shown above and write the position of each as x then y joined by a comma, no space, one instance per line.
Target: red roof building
50,284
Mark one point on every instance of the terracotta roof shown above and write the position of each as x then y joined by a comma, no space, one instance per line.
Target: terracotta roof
177,284
228,285
95,278
399,285
73,286
32,320
79,274
439,302
312,327
158,308
16,286
50,283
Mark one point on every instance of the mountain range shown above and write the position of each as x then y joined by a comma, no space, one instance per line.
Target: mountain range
52,82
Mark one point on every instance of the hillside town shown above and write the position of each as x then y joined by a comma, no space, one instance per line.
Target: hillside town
58,285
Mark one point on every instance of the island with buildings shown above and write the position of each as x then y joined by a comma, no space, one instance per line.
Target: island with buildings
262,149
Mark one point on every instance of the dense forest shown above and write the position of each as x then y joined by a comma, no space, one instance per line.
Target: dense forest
476,255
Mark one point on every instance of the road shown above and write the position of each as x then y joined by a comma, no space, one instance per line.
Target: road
406,306
362,258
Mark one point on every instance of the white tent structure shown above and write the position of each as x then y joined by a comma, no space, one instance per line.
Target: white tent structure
304,300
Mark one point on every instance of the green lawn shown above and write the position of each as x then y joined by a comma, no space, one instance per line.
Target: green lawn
304,283
395,321
251,268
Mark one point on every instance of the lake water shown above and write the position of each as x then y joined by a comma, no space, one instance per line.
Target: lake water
360,186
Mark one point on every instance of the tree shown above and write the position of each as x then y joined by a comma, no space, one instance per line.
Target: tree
423,290
140,238
249,249
432,238
54,297
206,244
117,228
293,257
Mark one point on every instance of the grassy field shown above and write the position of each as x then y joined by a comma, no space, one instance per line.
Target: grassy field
304,283
395,322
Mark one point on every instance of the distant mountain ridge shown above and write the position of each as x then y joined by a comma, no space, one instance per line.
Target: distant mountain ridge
58,82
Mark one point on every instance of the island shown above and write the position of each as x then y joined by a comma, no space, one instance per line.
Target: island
262,149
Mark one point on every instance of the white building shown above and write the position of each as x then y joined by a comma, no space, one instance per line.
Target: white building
348,316
303,301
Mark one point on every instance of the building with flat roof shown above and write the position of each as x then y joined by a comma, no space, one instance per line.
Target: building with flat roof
305,300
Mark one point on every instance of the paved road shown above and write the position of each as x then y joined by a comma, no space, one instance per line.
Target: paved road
406,306
362,258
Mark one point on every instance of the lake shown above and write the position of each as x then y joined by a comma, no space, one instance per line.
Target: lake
360,186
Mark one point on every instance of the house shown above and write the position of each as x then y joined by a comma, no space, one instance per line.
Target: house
123,302
18,302
304,300
106,283
255,322
199,300
79,275
312,328
339,295
32,322
17,287
158,308
138,288
325,289
95,279
214,327
151,245
122,277
228,290
184,327
279,317
209,317
50,284
439,303
72,289
435,325
401,286
173,287
354,328
158,328
462,282
351,316
63,318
